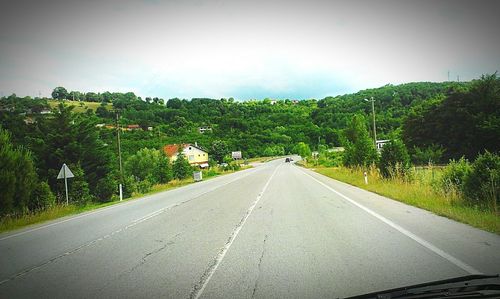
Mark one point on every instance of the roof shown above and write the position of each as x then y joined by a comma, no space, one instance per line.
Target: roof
172,149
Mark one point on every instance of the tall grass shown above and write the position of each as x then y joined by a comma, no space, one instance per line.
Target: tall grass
420,190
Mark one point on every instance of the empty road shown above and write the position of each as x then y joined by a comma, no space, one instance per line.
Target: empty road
273,231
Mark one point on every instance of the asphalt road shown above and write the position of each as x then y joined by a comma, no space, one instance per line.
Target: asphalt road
273,231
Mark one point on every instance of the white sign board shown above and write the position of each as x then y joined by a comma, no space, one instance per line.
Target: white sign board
197,176
65,173
236,155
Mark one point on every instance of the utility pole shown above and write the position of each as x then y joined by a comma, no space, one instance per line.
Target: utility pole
374,126
119,153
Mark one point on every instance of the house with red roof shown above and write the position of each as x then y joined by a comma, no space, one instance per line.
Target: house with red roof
193,153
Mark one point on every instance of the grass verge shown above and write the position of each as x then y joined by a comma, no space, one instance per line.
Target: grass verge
419,193
58,211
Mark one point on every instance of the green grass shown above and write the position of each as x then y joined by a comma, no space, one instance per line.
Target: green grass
420,192
80,107
58,211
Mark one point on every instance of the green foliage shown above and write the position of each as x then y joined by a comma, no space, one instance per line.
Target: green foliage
454,175
359,148
163,171
105,188
17,178
394,161
428,155
219,150
464,123
302,149
181,168
274,150
60,93
41,198
482,184
148,165
144,186
143,164
78,188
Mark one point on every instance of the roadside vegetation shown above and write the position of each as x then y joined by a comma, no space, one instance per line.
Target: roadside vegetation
426,123
424,190
467,188
55,211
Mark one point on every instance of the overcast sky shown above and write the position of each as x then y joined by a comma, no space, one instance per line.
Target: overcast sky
242,49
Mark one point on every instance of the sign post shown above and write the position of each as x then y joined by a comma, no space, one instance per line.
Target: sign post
366,177
65,174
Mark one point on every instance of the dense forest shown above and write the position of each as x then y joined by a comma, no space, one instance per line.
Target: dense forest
434,121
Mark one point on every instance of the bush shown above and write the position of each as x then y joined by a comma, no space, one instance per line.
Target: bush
181,168
129,186
210,172
431,154
302,149
78,188
454,176
144,186
105,188
41,198
395,161
482,184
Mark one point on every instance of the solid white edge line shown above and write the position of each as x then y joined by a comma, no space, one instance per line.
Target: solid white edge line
450,258
107,208
235,233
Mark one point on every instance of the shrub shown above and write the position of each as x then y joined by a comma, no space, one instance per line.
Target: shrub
41,198
144,186
78,187
454,175
395,161
482,184
129,186
431,154
105,188
181,168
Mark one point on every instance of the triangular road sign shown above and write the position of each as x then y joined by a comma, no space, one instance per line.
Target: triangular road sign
65,172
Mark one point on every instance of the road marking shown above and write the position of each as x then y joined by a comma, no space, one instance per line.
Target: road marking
107,208
450,258
132,224
205,278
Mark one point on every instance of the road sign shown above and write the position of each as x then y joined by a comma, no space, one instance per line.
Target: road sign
65,174
197,176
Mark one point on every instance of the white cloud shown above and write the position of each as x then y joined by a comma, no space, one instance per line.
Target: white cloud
223,48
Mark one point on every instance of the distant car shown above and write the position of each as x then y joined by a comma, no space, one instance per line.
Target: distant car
287,160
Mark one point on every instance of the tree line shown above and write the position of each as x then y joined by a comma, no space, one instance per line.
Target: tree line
426,121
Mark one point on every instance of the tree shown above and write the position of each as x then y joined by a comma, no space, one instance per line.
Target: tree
60,93
430,154
219,150
359,148
17,178
394,161
144,164
302,150
181,168
482,184
163,169
78,187
464,123
92,97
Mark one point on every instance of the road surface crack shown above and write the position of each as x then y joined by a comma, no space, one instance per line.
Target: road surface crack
259,266
198,288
